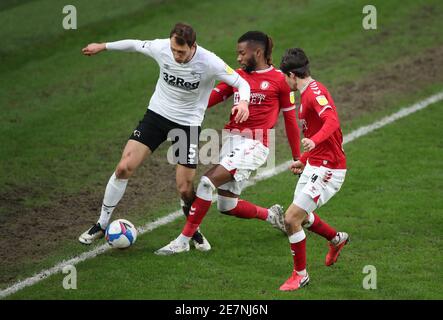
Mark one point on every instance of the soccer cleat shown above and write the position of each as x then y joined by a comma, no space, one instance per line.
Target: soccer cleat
276,217
334,249
295,282
200,242
94,233
172,248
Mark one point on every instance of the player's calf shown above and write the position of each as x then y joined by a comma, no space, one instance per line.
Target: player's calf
246,210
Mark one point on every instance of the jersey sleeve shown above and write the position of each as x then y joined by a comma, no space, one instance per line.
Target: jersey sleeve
220,93
226,74
320,103
150,48
287,106
328,116
286,97
292,132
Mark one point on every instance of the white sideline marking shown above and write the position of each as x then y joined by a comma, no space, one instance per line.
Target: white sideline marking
177,214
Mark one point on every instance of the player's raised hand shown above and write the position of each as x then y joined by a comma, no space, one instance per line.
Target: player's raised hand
93,48
308,144
297,167
242,111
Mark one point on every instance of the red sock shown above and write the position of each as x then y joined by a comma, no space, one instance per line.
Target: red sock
247,210
197,212
322,228
299,255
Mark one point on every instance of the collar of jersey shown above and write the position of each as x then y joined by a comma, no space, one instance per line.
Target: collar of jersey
306,86
264,70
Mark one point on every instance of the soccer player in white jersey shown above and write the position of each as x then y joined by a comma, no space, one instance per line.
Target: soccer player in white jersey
187,75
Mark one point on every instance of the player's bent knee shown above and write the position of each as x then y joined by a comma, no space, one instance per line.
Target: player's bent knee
205,189
295,217
185,189
226,204
288,220
124,170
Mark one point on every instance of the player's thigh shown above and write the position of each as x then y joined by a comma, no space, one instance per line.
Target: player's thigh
226,193
152,130
233,187
242,156
184,148
300,199
219,175
317,186
134,154
333,185
295,213
303,179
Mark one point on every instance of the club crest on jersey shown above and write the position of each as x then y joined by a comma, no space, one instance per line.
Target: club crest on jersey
292,98
322,100
180,82
196,75
264,85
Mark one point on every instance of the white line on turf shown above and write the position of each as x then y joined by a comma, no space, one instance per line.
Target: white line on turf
177,214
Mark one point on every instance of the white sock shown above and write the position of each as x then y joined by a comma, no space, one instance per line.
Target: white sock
336,239
270,216
301,273
113,194
297,237
183,239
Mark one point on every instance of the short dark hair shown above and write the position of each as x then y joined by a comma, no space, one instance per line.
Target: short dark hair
262,39
184,34
295,60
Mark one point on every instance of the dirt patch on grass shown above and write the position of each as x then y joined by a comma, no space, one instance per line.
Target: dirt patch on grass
407,75
36,232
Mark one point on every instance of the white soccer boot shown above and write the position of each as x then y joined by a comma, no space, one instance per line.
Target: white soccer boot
173,247
200,242
92,234
276,217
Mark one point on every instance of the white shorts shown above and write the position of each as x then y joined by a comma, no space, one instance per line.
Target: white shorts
241,156
316,186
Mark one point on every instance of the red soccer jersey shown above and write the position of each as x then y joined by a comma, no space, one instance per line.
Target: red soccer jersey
269,94
319,120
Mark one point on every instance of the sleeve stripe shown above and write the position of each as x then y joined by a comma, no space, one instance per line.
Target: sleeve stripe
288,109
324,109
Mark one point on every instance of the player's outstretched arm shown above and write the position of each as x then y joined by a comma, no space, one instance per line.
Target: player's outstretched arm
220,93
225,74
122,45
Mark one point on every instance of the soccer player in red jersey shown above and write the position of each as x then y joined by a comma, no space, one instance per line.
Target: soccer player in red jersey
322,166
245,145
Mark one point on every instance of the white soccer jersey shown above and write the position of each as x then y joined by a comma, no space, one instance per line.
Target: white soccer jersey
183,89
